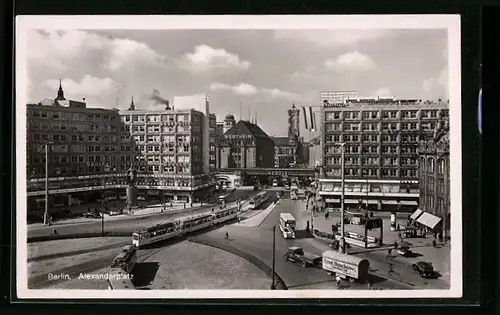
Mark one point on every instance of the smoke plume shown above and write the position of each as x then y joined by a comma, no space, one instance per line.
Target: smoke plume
155,96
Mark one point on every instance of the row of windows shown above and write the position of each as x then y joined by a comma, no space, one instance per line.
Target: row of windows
162,129
372,161
428,165
405,114
371,138
34,125
428,203
370,149
70,116
428,184
155,118
353,172
171,138
385,127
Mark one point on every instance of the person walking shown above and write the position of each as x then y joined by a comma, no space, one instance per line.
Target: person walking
391,269
226,235
370,284
337,280
54,232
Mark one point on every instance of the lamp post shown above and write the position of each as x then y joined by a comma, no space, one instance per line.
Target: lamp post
273,286
342,203
46,219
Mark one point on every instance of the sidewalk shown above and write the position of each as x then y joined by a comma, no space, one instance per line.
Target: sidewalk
136,213
439,256
255,218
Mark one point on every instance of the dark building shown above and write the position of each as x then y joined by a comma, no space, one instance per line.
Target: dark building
245,145
434,170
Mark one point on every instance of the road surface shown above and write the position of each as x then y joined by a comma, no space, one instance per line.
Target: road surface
258,242
127,224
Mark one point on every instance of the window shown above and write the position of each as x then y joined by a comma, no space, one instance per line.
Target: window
431,165
430,183
440,167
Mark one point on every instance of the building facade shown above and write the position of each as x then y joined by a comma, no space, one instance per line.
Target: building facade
434,170
314,156
169,153
286,153
245,146
213,133
85,152
380,136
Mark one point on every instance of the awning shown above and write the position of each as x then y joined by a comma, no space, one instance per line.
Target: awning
409,203
416,214
329,200
428,220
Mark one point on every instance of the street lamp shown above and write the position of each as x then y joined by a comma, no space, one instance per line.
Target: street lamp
46,220
273,286
342,204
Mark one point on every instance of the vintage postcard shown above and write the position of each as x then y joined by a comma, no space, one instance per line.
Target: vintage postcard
238,156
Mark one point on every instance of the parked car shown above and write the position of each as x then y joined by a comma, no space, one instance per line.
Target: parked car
424,269
92,215
297,254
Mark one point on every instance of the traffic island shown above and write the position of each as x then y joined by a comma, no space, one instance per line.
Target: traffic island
279,283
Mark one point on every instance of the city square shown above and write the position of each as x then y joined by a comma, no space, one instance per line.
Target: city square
212,181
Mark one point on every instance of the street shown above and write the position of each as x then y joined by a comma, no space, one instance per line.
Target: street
258,241
128,223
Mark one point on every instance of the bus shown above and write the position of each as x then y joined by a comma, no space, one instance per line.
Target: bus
257,200
196,223
287,225
126,259
156,233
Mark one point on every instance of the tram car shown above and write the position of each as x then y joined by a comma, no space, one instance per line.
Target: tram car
258,199
196,223
224,215
157,233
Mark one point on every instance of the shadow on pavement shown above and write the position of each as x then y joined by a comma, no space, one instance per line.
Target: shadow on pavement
413,255
144,273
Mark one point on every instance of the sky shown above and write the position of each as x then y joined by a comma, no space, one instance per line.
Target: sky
258,71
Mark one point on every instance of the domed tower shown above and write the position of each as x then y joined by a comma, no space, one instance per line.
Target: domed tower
229,122
294,123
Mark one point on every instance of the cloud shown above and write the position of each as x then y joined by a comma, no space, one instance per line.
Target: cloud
383,92
87,86
436,87
61,50
277,93
352,61
206,58
245,89
125,52
332,37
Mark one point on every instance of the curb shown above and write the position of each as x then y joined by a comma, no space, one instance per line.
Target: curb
75,236
280,284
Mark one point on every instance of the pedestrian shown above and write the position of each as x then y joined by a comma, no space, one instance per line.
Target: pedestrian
226,235
370,284
54,232
389,252
326,215
337,279
395,245
434,244
391,269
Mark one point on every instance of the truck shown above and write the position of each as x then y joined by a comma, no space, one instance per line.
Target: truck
345,266
297,254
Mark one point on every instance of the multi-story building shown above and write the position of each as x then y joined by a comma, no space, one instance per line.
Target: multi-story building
244,146
85,153
286,153
434,170
380,139
314,148
213,132
170,153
